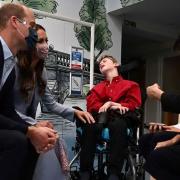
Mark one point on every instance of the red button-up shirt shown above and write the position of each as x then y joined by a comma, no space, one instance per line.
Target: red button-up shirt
125,92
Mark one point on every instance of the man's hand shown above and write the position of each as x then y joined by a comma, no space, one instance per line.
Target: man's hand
84,116
45,123
43,138
167,143
171,128
154,91
154,127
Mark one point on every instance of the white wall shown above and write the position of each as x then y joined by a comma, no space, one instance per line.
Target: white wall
62,36
115,26
113,5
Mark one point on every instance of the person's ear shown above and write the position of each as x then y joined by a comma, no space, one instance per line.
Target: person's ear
117,64
13,21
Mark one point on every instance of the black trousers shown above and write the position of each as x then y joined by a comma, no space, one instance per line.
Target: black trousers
162,163
118,145
17,156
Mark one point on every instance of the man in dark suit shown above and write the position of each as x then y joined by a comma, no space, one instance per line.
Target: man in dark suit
17,139
161,147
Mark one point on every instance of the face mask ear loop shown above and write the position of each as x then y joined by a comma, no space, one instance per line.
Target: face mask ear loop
32,38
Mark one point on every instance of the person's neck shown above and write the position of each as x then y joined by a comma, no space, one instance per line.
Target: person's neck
9,41
110,75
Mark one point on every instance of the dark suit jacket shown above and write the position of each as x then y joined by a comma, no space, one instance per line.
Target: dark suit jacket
9,119
170,102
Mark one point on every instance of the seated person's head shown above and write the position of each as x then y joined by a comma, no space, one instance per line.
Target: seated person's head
35,56
31,62
16,26
42,44
108,65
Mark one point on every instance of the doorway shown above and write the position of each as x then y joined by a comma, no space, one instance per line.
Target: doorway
171,84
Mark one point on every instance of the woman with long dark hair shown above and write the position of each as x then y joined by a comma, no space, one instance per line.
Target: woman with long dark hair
31,84
31,88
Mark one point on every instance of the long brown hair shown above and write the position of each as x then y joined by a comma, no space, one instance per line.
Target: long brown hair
30,71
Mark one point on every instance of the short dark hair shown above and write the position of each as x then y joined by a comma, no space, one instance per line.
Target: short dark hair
114,60
9,10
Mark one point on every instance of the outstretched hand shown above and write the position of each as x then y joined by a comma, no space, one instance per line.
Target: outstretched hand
84,116
154,91
154,127
167,143
171,128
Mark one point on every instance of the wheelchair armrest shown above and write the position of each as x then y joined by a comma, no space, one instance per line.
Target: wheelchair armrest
133,115
77,107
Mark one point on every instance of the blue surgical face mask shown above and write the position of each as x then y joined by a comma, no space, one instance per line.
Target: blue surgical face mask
32,38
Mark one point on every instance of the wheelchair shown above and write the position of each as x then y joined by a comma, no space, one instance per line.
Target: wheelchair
133,163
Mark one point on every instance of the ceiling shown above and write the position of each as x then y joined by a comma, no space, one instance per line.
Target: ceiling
157,13
164,12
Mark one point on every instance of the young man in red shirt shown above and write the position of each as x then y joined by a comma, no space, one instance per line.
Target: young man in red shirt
112,93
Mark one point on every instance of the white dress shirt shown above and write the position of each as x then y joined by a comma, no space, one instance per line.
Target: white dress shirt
9,62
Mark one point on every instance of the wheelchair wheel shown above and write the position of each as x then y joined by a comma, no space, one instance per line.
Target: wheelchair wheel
133,169
129,169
